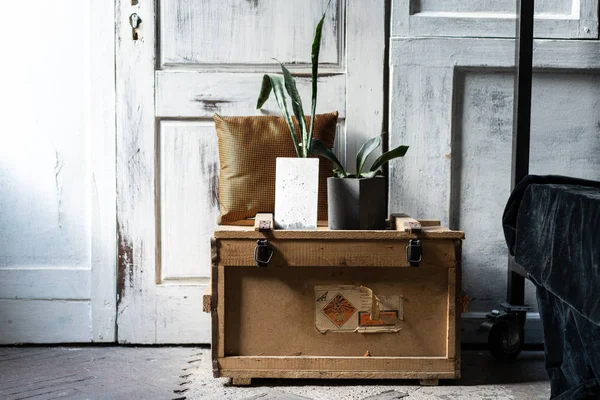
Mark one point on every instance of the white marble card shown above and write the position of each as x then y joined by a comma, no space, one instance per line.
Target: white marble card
296,193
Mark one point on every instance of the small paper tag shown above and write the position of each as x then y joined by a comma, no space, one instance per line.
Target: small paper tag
347,308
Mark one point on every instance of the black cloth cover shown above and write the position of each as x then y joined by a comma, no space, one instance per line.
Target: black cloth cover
572,349
552,228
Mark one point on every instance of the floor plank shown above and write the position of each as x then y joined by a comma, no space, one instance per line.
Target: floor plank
103,373
38,373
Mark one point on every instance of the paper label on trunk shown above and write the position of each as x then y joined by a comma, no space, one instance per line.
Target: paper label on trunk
349,308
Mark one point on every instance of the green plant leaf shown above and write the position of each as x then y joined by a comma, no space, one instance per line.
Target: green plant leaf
365,150
317,148
338,174
369,174
316,49
399,151
265,91
276,84
292,90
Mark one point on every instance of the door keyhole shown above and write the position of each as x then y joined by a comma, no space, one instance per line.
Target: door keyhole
134,21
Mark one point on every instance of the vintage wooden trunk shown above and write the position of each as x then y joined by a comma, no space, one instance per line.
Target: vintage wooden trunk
335,304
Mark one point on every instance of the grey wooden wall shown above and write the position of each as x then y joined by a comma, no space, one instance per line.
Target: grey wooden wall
451,90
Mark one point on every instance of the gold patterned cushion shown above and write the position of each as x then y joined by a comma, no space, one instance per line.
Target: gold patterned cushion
248,148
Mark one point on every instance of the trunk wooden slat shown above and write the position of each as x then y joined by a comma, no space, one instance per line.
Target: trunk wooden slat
264,318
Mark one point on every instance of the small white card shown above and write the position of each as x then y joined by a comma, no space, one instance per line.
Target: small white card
296,193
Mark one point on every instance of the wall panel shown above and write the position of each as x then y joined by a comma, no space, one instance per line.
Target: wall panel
565,19
452,103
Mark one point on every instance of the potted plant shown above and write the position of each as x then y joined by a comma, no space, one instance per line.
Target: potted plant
296,182
358,201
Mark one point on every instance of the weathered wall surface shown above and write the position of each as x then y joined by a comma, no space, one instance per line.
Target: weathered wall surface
44,155
451,100
56,196
565,140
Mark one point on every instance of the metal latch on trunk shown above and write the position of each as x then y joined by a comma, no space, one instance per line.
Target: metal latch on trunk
262,253
414,253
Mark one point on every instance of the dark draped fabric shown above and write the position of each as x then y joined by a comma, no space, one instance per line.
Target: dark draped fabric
552,228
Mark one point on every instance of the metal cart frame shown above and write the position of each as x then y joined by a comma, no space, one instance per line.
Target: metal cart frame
505,339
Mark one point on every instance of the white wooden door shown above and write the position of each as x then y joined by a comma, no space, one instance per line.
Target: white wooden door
57,173
190,60
451,101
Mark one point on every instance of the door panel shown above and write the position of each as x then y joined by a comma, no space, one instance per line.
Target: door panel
188,94
57,177
245,33
45,321
455,110
558,7
566,19
211,58
189,187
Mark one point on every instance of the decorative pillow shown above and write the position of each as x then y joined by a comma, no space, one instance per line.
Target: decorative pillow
248,148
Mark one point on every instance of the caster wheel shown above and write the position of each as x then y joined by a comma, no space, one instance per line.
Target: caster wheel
505,341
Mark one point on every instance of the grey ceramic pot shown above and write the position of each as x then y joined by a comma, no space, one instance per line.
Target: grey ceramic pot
356,203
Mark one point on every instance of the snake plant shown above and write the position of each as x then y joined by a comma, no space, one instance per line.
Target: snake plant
319,149
280,84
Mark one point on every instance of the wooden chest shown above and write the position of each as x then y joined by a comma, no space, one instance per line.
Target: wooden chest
335,304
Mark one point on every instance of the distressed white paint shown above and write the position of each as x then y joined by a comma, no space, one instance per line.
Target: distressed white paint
165,208
170,328
452,103
201,95
565,19
151,310
102,154
296,193
491,53
56,172
162,199
243,32
565,135
189,202
556,7
136,209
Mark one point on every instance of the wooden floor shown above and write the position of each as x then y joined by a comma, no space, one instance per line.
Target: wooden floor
185,373
35,373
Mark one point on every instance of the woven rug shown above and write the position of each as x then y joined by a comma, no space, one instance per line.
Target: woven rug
526,379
